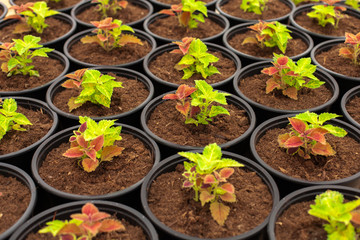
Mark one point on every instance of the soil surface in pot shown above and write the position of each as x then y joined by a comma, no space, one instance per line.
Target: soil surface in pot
274,9
348,24
16,140
169,124
163,67
296,223
294,46
95,54
131,13
123,171
52,4
132,232
48,68
123,100
344,163
15,198
174,205
331,60
56,29
254,88
169,27
352,107
178,1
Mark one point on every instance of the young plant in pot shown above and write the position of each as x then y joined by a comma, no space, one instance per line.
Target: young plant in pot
87,220
309,151
285,86
210,192
183,62
110,44
25,71
64,6
37,19
193,117
350,103
190,18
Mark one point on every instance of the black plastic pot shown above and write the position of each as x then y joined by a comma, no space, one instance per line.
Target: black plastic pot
159,5
63,10
355,91
248,59
237,20
221,20
40,91
170,163
4,10
131,117
76,64
52,196
65,210
265,112
87,4
287,183
22,158
165,86
14,172
302,195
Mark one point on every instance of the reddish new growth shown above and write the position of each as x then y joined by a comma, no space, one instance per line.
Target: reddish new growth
353,50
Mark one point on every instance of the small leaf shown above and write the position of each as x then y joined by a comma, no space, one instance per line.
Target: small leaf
205,197
228,197
293,142
109,225
291,92
75,152
183,109
219,212
299,125
110,151
209,179
226,172
89,165
228,187
323,149
271,84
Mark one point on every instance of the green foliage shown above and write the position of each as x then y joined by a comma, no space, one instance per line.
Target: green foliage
297,2
109,6
352,50
330,207
353,3
327,13
17,56
9,118
207,174
255,6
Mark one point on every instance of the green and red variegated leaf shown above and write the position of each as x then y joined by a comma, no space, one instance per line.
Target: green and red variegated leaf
77,75
176,51
91,153
72,105
219,212
83,127
171,96
346,52
184,91
323,149
71,84
102,37
205,197
109,225
270,70
21,28
87,210
282,61
259,27
123,4
7,45
176,7
271,84
110,151
22,7
250,40
91,39
352,39
340,8
291,92
82,142
129,39
282,138
5,55
226,172
183,109
89,165
293,142
167,12
317,134
70,228
194,110
355,216
184,18
209,179
292,73
292,151
228,187
92,228
74,152
105,24
98,216
97,143
228,197
17,17
299,125
83,238
187,184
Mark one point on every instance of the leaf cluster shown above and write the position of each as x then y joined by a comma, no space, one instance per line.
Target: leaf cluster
330,207
290,77
270,34
297,2
328,13
196,59
188,12
196,104
255,6
93,143
353,3
109,6
83,226
307,135
17,56
352,51
207,174
96,87
109,34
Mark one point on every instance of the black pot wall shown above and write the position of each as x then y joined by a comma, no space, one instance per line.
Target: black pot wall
355,91
4,10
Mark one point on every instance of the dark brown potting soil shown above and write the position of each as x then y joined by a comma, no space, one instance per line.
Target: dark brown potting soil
174,205
169,124
170,28
163,67
294,46
48,68
128,168
56,29
274,9
123,100
131,13
178,1
319,168
52,4
331,60
352,107
16,140
254,86
15,198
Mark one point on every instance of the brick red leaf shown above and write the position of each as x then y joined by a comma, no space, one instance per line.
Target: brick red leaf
228,197
293,142
183,109
271,84
219,212
93,228
270,71
97,143
209,179
70,228
323,149
228,187
205,197
167,12
110,151
355,217
282,138
298,125
317,134
109,225
282,61
123,4
187,184
226,172
89,165
74,152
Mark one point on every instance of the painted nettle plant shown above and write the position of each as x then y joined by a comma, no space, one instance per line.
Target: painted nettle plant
109,8
254,6
352,50
328,13
207,174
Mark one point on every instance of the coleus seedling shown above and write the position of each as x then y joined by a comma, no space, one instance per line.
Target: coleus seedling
327,13
290,77
93,143
109,34
339,216
270,34
83,226
207,175
188,12
9,118
33,16
307,136
17,55
255,6
196,103
352,50
96,87
111,7
195,58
